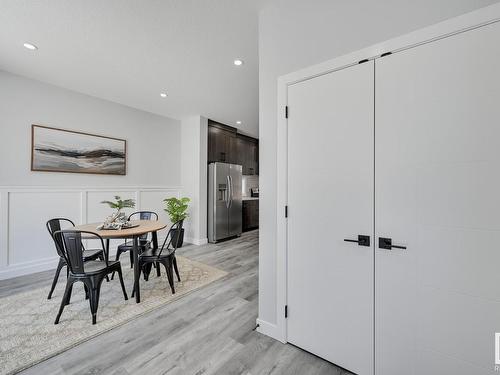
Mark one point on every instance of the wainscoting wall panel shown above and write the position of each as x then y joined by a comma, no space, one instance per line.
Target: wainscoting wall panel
25,245
29,210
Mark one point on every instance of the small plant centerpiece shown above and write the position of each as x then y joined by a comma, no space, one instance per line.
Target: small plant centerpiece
118,219
177,211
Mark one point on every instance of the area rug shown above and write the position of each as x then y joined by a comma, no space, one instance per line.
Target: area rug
28,334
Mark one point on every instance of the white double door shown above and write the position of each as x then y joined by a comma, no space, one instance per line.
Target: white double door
406,147
330,196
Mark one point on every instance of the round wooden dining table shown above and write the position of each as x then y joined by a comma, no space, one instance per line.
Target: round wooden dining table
143,227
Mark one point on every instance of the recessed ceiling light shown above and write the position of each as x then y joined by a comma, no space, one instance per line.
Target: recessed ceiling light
30,46
238,62
163,95
238,122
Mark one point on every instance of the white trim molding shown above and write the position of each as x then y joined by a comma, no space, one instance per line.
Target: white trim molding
25,246
463,23
196,241
269,329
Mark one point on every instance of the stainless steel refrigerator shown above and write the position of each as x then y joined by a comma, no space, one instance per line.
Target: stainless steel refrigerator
224,201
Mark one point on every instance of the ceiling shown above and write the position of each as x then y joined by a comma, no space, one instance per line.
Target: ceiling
130,51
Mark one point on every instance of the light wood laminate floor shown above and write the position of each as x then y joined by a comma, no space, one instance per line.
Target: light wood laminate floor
209,331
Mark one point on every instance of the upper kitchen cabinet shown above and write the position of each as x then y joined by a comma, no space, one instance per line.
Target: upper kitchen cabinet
221,143
227,146
249,154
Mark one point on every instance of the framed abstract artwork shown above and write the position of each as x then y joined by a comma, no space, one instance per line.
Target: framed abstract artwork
59,150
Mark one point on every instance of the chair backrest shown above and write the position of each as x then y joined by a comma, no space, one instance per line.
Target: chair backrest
143,215
170,244
54,225
73,248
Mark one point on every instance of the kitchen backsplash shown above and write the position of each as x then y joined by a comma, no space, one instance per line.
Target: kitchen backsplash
248,182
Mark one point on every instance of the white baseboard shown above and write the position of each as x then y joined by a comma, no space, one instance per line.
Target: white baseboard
196,241
270,330
202,241
26,269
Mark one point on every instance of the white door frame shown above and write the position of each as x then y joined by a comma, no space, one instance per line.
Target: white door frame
468,21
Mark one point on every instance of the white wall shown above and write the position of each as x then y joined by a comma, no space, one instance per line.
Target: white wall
194,176
294,34
153,142
28,199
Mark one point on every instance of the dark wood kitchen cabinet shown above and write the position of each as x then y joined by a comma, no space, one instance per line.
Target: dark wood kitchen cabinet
240,152
252,157
221,145
228,146
250,214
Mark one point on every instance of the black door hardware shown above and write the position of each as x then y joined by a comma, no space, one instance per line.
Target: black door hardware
386,243
361,241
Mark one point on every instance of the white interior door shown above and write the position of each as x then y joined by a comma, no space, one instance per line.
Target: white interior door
330,198
438,193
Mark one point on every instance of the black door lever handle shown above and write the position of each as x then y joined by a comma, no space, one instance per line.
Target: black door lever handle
386,243
361,241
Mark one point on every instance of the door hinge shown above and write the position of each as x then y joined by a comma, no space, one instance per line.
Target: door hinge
286,111
286,311
286,211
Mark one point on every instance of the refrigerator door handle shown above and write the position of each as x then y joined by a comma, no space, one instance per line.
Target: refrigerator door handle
232,190
228,192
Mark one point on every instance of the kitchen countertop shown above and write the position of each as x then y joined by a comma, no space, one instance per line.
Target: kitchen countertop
250,198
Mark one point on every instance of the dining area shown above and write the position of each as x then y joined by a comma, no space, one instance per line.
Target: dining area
109,273
92,266
139,230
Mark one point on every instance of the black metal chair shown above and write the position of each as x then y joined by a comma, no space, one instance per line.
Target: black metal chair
165,255
90,273
144,244
55,225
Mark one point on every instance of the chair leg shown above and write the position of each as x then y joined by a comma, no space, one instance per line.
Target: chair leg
94,298
117,257
86,291
133,289
101,258
176,269
147,270
68,296
67,291
170,277
60,265
158,271
131,254
122,284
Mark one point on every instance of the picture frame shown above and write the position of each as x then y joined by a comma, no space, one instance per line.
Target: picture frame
69,151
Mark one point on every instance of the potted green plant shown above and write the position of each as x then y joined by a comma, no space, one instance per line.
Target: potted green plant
119,205
177,211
